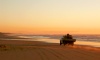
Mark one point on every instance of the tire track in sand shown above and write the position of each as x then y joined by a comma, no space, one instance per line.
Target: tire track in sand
42,54
48,54
57,55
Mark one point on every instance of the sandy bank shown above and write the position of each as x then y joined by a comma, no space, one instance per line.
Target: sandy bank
33,50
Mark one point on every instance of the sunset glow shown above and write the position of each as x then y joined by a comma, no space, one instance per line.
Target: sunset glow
50,16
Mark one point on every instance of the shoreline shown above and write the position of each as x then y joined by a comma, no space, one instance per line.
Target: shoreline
26,42
50,40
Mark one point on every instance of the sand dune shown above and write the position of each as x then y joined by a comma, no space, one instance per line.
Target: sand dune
26,50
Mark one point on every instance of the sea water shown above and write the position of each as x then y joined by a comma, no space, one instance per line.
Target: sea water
90,40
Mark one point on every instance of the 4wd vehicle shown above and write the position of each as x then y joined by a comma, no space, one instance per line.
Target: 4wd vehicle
67,39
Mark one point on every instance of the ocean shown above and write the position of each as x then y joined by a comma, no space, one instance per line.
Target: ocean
90,40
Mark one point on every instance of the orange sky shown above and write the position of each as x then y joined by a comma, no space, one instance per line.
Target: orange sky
50,17
50,30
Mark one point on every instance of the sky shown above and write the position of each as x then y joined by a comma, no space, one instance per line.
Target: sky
50,16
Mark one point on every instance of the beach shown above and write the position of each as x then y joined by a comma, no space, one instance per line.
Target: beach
50,30
35,50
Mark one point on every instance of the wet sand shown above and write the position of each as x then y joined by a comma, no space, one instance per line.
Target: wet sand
34,50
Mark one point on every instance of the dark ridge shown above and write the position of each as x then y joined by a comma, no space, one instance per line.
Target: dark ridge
8,36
